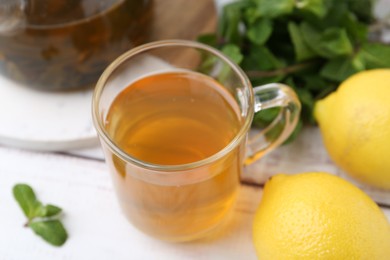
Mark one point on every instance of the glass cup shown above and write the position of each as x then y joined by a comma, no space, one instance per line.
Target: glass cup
185,201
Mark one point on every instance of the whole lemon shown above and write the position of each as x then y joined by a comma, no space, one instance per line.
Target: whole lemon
355,126
318,216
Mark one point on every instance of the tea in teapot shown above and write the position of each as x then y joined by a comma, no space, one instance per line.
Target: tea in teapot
66,44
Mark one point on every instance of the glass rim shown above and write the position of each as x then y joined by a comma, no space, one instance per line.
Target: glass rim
106,137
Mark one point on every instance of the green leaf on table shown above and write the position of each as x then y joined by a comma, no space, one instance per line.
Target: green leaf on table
48,211
27,200
51,231
272,8
52,210
331,43
319,8
42,219
301,48
375,55
260,32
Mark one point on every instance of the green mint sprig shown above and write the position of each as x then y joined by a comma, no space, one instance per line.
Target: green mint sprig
311,45
42,219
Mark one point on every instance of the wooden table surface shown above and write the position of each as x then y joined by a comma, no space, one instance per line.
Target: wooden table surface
82,186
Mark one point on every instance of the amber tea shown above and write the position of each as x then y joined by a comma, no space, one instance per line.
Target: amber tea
66,44
176,118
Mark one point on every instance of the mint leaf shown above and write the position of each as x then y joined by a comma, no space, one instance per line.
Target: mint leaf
48,211
356,30
339,69
375,55
27,200
261,58
51,231
336,14
260,31
301,48
251,15
336,42
275,8
207,63
331,43
313,38
52,210
314,44
233,52
42,219
319,8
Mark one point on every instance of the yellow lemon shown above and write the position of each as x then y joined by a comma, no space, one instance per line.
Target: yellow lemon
318,216
355,126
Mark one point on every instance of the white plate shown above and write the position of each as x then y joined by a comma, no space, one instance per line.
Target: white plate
46,121
58,121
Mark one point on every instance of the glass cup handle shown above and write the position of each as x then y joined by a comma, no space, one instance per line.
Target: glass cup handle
269,96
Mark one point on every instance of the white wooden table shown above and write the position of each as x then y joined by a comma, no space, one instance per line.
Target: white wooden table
98,230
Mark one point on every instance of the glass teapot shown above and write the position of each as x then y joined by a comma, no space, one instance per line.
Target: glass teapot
66,44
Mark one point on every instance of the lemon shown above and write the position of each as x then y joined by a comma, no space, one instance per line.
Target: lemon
318,216
355,126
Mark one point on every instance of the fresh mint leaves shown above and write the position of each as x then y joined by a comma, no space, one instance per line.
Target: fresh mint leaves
50,230
42,219
312,45
27,200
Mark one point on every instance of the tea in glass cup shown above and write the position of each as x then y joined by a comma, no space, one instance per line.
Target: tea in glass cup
173,118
